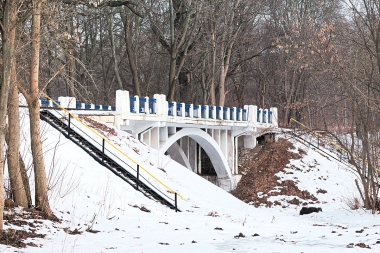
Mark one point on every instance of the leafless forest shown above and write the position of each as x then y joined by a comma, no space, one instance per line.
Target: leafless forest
317,61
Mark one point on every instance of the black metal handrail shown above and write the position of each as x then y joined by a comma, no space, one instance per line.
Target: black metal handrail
81,138
318,148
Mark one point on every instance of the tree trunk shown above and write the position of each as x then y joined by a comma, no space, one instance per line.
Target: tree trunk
213,62
13,140
131,54
8,42
222,82
113,47
41,196
25,180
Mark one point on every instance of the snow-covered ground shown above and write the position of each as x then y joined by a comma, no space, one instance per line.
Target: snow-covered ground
86,195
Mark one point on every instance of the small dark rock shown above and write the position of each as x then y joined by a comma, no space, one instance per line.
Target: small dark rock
362,245
239,235
255,234
308,210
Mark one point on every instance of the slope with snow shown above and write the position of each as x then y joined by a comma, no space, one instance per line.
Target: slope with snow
87,196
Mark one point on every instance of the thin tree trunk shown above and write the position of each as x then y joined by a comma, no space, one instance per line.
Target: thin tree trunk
13,140
213,62
113,47
131,54
25,180
8,38
41,195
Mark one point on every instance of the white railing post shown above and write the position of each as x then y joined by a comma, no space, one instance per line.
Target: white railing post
72,103
219,112
213,112
146,105
274,116
260,115
254,114
233,114
122,102
265,116
164,104
183,109
137,104
174,109
157,105
191,111
228,113
206,111
63,101
195,111
251,113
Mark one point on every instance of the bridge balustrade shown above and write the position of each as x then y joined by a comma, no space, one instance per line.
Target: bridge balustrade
205,111
70,103
158,104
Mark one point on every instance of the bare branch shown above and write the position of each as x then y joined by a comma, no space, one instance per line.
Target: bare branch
129,4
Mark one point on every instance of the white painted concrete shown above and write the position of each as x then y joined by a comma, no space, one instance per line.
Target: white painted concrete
181,129
210,146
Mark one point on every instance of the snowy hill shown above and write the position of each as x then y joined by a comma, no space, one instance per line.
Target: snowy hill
87,196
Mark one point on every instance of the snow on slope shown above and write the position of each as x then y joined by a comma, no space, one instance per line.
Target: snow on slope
84,194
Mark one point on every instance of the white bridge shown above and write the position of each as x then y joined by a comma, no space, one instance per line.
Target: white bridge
182,130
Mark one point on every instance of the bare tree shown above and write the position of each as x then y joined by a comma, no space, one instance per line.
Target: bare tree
182,29
8,32
360,78
32,98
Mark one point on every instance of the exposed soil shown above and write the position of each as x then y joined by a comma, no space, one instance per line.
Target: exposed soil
102,128
15,238
29,220
259,181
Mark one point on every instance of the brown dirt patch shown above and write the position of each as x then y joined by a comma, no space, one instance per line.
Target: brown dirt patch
102,128
259,175
15,238
29,221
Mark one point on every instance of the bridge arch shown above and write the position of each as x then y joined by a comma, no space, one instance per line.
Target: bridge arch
209,145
